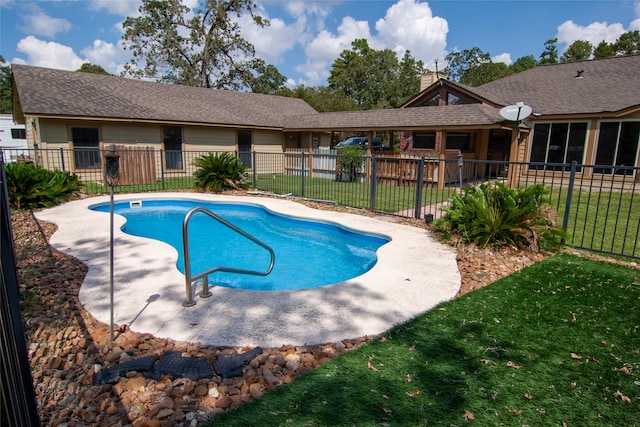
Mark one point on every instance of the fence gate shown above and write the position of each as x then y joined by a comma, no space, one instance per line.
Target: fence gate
137,165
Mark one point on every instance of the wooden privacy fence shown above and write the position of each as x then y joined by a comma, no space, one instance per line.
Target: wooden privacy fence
405,170
137,165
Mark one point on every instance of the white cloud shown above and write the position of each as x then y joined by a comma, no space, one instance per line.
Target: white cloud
326,47
594,33
407,25
38,23
48,54
299,9
410,25
635,24
118,7
275,40
503,57
109,56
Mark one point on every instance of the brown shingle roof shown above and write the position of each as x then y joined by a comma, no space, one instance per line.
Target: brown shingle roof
44,91
607,85
470,115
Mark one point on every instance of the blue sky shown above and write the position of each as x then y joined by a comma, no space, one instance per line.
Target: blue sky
306,36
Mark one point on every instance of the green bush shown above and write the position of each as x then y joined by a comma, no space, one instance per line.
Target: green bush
350,160
219,172
496,215
31,186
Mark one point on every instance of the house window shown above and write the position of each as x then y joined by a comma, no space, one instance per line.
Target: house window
424,140
244,146
433,101
17,133
617,146
559,143
453,99
86,148
459,141
173,146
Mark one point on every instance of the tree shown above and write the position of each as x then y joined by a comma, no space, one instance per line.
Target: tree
408,79
524,63
6,88
550,53
372,77
92,68
321,98
484,73
604,50
628,44
268,79
458,63
579,50
203,50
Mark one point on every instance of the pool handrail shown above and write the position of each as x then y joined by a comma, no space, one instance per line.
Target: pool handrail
189,279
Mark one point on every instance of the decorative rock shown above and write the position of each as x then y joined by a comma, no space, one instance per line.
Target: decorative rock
213,392
137,384
165,413
255,390
201,390
224,402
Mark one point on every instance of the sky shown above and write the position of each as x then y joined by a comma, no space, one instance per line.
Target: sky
306,36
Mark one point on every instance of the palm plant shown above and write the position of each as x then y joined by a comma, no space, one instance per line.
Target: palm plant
494,214
218,172
31,186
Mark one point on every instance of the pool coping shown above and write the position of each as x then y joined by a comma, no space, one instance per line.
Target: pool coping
413,274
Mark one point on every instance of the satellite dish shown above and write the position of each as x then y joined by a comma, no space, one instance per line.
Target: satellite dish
515,113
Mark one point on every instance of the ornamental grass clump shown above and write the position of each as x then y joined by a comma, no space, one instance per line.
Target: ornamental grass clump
218,172
492,214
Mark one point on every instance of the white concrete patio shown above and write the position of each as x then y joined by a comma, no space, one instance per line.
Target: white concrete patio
413,274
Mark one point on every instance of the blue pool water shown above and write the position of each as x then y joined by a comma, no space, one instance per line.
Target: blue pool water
307,253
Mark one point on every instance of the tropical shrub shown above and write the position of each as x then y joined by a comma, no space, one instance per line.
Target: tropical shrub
31,186
496,215
350,161
219,172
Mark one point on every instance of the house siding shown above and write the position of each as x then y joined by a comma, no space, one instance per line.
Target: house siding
198,138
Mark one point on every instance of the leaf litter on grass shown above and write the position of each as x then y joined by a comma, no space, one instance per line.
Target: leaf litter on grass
463,361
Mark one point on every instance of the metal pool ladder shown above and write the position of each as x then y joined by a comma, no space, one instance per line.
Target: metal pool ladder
189,279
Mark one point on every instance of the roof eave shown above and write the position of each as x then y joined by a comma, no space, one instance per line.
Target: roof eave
150,121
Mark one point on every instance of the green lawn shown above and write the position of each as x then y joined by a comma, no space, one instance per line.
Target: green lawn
558,342
603,221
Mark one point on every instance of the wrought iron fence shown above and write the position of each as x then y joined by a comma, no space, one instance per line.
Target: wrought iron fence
599,206
18,403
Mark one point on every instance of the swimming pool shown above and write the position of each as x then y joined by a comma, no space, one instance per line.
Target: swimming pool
307,253
413,273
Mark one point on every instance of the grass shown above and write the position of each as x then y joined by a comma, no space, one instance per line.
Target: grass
555,344
602,221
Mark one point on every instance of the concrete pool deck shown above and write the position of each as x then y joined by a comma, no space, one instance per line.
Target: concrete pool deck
413,274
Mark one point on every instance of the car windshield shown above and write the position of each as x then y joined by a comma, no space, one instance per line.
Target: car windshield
350,142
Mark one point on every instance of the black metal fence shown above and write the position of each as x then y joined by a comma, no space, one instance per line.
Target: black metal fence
598,205
18,399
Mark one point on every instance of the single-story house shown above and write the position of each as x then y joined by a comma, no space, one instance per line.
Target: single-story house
586,111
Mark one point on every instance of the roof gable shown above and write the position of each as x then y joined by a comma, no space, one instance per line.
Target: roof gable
442,87
45,91
605,85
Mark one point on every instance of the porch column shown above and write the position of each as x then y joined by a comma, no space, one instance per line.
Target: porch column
514,168
369,154
442,164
